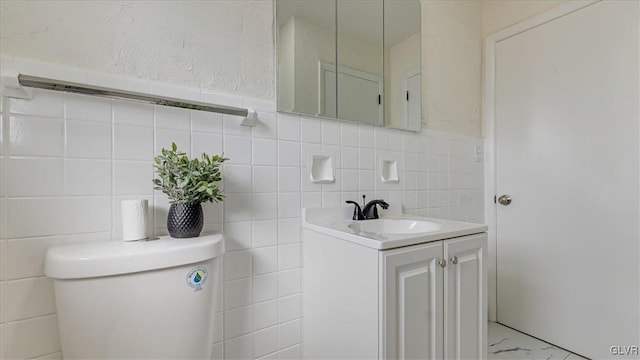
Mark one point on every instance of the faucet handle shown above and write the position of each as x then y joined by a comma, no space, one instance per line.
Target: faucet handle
370,211
373,212
357,211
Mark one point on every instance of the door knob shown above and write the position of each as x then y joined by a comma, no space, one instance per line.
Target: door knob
504,200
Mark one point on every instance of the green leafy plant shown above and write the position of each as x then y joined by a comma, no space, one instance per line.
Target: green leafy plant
188,181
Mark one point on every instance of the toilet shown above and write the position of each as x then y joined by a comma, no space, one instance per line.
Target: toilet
147,299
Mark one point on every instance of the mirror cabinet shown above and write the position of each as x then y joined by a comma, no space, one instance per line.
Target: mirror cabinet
351,60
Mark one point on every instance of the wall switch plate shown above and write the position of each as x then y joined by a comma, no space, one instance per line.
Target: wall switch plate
478,153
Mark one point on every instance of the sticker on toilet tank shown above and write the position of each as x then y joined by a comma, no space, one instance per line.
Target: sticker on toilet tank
196,277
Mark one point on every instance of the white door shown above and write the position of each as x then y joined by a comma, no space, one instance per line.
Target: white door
412,315
465,298
413,98
567,152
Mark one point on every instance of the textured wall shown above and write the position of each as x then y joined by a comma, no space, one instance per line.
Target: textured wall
451,61
499,14
220,45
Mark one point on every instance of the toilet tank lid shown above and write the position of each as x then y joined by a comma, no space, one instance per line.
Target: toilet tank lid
86,260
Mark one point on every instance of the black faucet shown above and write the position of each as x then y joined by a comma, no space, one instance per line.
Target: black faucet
370,211
357,211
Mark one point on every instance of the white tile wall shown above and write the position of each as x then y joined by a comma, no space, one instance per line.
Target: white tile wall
66,161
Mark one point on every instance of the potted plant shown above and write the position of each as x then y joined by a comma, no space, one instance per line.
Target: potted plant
188,183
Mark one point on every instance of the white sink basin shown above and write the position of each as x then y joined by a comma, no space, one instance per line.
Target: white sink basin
395,226
388,232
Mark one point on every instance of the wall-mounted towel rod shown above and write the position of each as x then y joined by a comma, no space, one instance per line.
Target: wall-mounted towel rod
61,85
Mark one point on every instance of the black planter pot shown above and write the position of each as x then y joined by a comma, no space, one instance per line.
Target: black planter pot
185,220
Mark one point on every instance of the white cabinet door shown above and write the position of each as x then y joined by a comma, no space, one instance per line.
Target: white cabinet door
412,291
465,298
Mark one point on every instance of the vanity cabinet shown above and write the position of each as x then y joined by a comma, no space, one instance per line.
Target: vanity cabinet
425,301
434,300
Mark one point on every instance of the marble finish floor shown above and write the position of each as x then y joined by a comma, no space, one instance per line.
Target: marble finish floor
505,343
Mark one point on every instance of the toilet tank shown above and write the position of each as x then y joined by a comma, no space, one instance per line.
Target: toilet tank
153,299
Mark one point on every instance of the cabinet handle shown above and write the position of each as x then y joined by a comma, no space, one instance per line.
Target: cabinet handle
454,260
442,263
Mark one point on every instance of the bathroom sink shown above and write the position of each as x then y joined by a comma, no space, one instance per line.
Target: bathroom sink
395,226
390,231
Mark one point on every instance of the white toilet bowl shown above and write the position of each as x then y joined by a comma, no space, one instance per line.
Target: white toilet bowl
131,300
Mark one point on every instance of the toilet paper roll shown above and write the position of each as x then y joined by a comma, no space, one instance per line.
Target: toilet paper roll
134,219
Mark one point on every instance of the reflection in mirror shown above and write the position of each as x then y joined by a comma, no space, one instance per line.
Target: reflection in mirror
403,95
306,50
335,59
360,61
